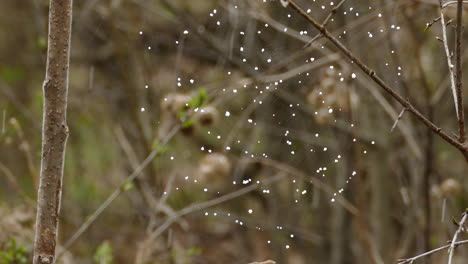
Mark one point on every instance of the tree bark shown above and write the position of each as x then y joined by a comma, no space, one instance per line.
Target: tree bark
54,131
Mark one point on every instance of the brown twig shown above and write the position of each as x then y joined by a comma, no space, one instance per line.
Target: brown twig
459,81
411,260
325,22
404,102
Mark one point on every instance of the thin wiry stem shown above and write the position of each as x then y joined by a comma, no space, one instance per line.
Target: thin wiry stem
325,22
411,260
379,81
461,228
453,2
398,119
204,205
312,180
449,60
117,192
459,81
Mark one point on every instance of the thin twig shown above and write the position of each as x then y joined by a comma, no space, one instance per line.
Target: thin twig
433,22
312,180
3,121
411,260
453,2
8,93
203,205
459,81
398,119
325,22
449,60
117,192
444,206
91,79
299,69
461,228
13,180
380,81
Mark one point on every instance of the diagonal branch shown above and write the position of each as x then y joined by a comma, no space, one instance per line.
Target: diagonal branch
204,205
121,189
404,102
413,259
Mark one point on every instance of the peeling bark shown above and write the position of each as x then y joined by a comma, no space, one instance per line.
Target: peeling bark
54,131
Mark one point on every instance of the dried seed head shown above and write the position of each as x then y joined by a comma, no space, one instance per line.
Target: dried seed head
284,3
174,102
207,116
214,165
450,187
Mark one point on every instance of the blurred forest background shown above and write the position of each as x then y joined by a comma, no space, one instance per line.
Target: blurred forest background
266,149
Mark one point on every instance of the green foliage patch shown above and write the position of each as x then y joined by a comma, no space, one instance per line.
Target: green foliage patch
13,253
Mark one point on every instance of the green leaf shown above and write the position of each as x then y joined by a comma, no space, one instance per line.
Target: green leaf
103,253
182,115
198,99
157,146
194,251
187,124
41,43
128,185
13,254
12,74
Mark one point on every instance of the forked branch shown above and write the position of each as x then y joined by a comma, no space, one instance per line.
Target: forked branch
453,244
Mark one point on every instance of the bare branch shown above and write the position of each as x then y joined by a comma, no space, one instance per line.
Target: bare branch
54,131
459,81
203,205
449,60
312,180
325,22
264,262
461,228
453,2
411,260
369,72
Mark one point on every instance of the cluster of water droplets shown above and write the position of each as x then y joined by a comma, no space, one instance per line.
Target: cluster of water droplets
259,94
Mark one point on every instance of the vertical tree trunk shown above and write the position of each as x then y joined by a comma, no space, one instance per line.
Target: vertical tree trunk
54,131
